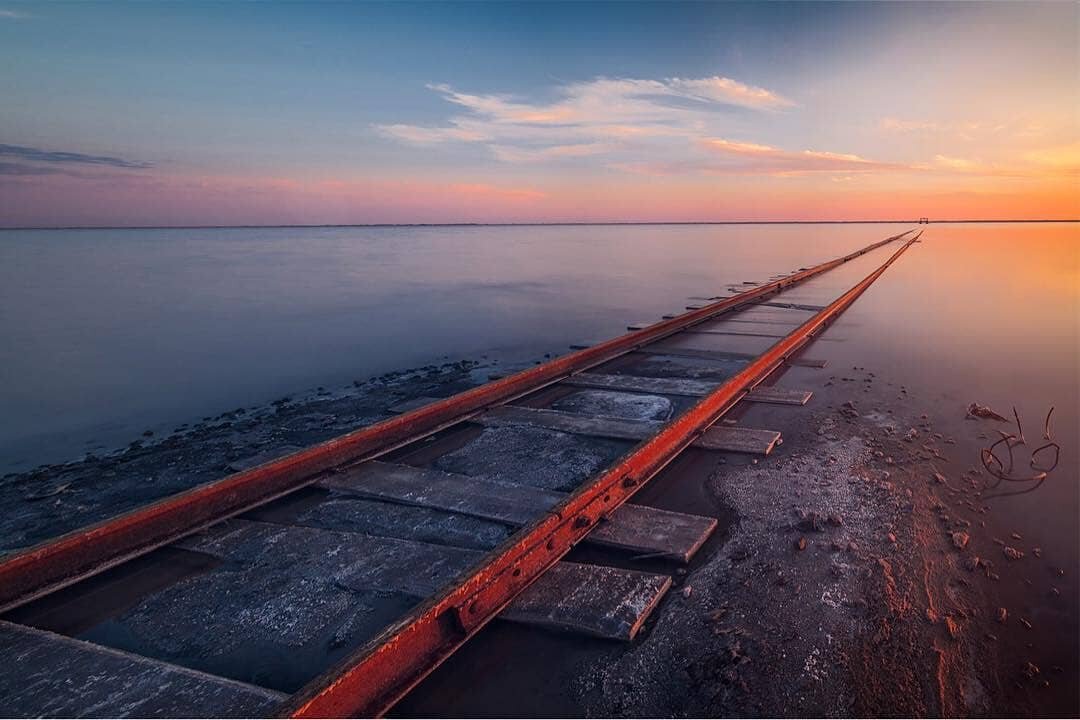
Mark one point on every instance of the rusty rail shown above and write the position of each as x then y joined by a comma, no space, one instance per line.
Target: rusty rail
369,682
87,551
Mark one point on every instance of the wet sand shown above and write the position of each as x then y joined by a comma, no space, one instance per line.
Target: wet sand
836,587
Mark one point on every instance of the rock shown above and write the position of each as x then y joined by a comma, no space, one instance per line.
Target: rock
800,544
960,540
719,614
809,521
687,591
1002,615
953,627
892,538
940,479
911,435
1031,670
973,563
1012,553
1025,623
981,411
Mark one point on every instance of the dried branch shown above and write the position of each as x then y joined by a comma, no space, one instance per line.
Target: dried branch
1019,428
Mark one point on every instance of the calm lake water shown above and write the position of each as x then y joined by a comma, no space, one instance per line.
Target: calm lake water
110,332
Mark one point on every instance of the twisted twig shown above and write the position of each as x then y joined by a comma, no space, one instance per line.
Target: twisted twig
997,469
1019,428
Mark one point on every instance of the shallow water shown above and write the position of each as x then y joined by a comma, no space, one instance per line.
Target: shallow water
988,313
111,332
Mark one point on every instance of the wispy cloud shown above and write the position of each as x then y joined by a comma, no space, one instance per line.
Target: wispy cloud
719,156
898,125
604,116
1062,157
966,130
511,154
955,163
765,158
37,155
22,169
13,15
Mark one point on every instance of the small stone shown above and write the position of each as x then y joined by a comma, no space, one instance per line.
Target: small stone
892,538
939,478
1012,553
809,521
960,540
1002,615
1031,670
953,627
1025,623
686,591
800,544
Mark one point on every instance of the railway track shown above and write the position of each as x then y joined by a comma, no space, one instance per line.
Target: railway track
331,581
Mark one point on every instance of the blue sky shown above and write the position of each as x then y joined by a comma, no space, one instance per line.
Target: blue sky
272,98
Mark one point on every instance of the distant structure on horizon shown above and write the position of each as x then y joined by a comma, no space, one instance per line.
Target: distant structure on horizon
924,221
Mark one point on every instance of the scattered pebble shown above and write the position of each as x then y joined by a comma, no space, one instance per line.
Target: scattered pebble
1012,553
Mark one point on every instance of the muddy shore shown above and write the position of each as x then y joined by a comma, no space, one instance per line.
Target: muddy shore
54,499
857,570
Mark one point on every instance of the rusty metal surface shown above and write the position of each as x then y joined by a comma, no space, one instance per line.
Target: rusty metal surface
54,564
370,681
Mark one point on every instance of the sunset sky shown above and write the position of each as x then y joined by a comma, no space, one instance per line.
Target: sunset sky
230,113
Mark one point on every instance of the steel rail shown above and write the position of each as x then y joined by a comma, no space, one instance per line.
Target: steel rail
373,679
59,562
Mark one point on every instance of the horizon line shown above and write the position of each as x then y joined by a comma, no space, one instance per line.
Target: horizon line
532,224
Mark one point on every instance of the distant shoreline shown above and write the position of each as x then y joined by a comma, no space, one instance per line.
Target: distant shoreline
526,224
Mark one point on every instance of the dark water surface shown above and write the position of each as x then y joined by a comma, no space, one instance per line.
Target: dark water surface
109,332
